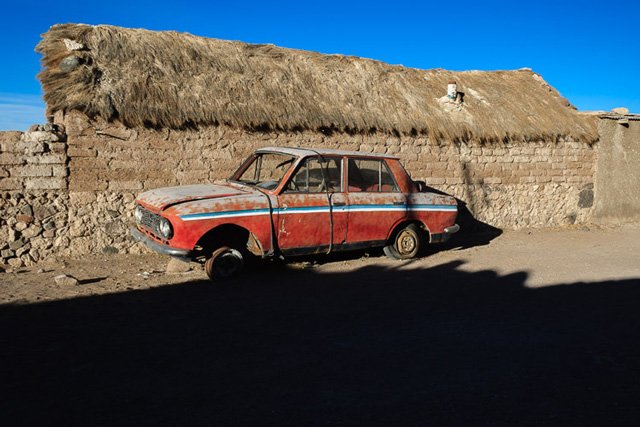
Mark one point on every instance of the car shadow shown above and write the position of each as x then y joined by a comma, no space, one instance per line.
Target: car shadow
397,345
473,232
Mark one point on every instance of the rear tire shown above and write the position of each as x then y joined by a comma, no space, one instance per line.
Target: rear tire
225,262
406,243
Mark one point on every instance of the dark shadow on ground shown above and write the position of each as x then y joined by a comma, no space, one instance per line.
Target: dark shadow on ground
379,346
473,232
91,281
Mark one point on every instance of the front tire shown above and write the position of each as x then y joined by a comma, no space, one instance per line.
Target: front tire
225,262
406,243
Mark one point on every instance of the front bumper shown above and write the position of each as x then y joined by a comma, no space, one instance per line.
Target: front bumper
443,237
183,254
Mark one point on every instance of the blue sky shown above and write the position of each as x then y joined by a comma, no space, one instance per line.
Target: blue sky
587,50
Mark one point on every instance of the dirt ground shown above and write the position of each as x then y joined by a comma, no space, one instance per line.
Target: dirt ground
528,327
546,256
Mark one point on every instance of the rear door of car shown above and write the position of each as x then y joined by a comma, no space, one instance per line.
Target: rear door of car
375,202
312,214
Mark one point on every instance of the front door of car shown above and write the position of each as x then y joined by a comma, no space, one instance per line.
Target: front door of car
312,214
375,201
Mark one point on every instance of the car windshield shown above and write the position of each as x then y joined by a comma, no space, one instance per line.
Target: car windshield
265,170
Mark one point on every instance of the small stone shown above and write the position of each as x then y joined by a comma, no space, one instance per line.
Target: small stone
28,260
49,225
20,226
69,63
12,235
49,234
17,244
72,44
15,262
26,210
34,128
23,250
66,280
27,219
110,250
177,266
42,211
32,231
7,253
115,228
40,271
112,213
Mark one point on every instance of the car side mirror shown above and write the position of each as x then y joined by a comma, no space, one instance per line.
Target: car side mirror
422,186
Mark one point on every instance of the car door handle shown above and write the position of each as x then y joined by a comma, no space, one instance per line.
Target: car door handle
339,203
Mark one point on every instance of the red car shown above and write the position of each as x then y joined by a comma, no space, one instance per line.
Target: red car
295,201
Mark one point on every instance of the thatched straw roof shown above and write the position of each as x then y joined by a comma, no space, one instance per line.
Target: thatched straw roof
176,80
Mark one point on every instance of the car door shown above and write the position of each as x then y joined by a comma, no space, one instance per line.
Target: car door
375,202
312,214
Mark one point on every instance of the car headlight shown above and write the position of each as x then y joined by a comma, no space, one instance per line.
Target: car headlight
137,214
165,228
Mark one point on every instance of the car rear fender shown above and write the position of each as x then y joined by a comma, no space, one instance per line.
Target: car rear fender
400,224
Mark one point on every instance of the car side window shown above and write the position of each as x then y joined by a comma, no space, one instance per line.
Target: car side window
370,176
316,176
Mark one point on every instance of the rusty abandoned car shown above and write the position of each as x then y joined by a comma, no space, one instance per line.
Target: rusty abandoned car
295,201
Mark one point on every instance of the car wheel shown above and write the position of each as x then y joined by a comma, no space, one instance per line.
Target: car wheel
224,263
406,243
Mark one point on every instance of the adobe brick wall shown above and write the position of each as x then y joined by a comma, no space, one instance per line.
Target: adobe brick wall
618,165
532,184
511,185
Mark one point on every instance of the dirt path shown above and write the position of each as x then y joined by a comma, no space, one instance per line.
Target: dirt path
534,328
547,257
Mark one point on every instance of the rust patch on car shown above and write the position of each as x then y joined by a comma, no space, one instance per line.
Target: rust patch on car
253,245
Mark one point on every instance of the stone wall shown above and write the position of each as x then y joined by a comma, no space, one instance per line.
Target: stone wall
510,185
33,195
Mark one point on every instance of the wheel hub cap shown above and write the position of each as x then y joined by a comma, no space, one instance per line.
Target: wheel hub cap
406,243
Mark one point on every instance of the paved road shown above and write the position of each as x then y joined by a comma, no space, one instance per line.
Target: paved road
540,328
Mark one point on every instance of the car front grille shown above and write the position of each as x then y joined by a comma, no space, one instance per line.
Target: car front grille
150,221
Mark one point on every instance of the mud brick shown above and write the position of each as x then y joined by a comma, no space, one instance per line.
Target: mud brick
125,185
45,183
34,170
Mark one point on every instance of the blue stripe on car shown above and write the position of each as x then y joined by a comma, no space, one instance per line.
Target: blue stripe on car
318,209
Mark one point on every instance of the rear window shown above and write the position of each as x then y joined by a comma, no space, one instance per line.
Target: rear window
373,176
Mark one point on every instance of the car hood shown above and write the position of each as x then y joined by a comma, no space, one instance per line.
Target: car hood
162,198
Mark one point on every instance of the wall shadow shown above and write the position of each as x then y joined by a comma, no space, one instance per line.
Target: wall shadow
298,347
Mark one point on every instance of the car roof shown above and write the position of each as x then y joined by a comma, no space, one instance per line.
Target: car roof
302,152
